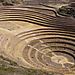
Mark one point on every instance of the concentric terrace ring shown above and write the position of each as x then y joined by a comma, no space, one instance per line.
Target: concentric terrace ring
36,16
51,48
46,48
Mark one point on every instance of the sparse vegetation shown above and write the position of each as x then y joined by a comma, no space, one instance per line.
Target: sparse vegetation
9,69
19,71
